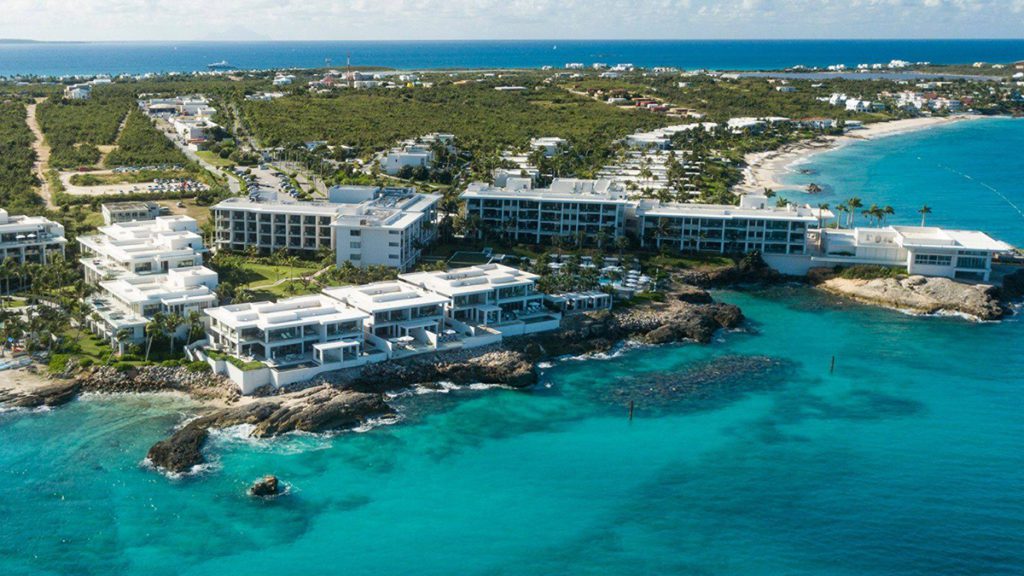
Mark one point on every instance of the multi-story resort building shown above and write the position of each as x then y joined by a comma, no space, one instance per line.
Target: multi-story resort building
145,267
142,247
295,339
756,224
364,225
929,251
116,212
568,209
599,210
30,238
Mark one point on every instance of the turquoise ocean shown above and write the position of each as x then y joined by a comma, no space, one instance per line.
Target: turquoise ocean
746,456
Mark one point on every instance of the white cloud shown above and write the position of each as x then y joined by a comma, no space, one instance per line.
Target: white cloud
505,19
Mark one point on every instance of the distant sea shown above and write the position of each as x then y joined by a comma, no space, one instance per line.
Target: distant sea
745,456
141,57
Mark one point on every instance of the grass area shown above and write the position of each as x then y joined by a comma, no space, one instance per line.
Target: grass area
214,159
694,261
12,302
237,362
263,275
870,272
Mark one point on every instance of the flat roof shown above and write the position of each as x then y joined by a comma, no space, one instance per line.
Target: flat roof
471,279
384,296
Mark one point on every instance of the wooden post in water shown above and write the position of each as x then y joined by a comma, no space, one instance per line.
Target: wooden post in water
630,410
832,367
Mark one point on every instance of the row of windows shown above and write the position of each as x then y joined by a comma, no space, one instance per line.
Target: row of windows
932,259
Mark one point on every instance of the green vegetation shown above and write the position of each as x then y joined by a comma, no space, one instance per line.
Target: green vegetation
75,128
17,182
214,159
483,120
870,272
235,361
141,144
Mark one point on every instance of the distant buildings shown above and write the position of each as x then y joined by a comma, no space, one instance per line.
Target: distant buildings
416,153
78,92
364,225
32,239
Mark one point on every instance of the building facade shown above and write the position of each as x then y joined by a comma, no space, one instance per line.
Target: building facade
30,239
571,209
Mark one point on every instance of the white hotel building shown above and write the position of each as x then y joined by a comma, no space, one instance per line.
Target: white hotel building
567,208
929,251
145,267
756,224
361,224
30,238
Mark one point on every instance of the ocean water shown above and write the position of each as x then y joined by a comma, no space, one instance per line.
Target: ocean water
746,456
970,173
140,57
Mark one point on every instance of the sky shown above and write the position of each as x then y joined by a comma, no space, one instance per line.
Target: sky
98,20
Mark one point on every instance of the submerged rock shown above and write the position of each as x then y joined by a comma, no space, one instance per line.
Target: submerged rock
266,486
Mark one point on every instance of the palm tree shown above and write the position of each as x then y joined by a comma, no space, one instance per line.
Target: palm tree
195,325
621,243
663,229
854,204
886,212
821,209
154,327
924,211
842,209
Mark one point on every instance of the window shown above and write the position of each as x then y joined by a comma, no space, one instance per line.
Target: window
393,244
972,262
354,232
932,260
355,245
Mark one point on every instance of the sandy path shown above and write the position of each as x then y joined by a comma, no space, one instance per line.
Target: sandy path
42,149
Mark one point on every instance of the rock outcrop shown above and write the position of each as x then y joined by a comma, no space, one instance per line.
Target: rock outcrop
199,385
316,409
921,294
56,394
266,486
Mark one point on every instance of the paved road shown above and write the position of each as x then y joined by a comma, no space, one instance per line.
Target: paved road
233,184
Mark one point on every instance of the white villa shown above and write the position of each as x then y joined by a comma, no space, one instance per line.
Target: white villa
364,225
486,295
141,268
123,306
929,251
30,238
297,338
142,247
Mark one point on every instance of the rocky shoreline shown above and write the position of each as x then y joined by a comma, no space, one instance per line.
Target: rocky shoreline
345,400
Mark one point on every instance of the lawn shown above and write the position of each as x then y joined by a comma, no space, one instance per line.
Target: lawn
261,276
697,261
214,159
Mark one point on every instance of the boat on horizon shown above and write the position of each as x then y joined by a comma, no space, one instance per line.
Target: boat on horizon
222,65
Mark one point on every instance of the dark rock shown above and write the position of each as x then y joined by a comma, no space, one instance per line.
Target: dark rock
1013,286
693,295
266,486
182,451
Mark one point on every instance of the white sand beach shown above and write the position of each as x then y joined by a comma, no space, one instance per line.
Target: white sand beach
766,169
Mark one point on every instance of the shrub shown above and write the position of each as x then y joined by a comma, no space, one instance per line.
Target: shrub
198,366
123,366
58,363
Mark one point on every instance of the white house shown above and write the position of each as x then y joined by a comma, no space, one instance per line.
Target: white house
116,212
929,251
142,247
78,92
30,238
